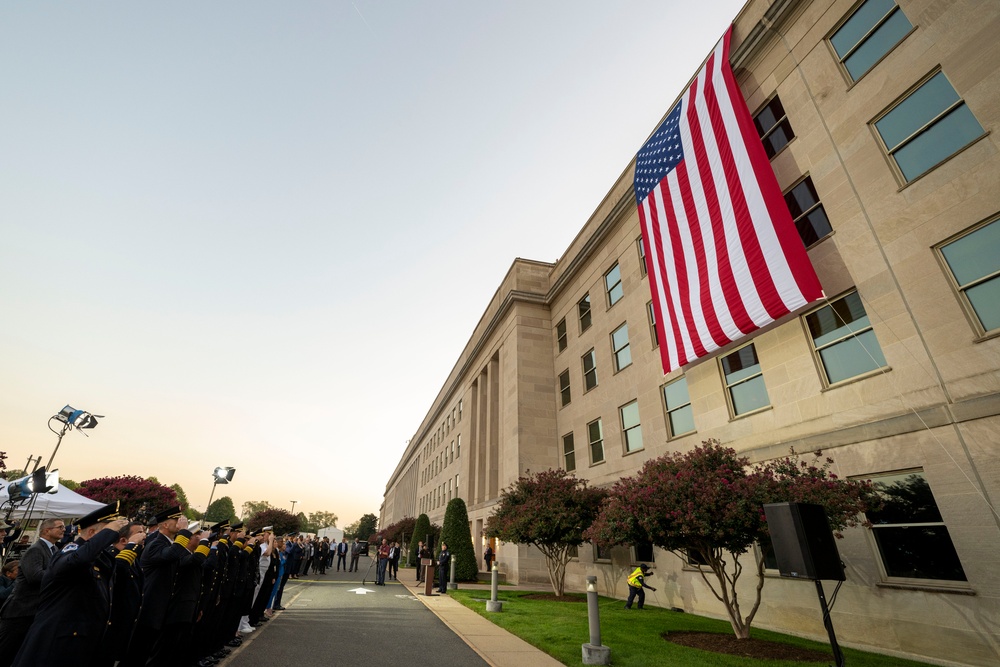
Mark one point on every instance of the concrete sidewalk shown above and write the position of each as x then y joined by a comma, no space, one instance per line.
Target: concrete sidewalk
495,645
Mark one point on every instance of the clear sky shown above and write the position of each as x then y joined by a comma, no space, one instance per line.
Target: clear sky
259,234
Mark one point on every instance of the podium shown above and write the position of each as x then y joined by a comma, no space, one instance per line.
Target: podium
428,565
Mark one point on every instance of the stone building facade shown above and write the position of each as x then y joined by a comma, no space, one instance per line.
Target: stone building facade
880,119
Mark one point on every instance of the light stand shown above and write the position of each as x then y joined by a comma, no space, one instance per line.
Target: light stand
70,417
293,507
219,476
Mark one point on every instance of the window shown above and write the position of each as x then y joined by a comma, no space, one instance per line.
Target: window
843,339
452,458
807,212
695,559
584,307
644,552
460,410
573,551
974,262
458,445
912,540
602,552
561,334
564,387
927,127
642,256
653,336
868,34
766,547
773,127
680,419
569,452
589,371
744,381
620,347
596,434
631,430
613,285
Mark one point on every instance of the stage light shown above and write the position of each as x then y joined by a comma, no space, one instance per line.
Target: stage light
37,482
223,475
78,418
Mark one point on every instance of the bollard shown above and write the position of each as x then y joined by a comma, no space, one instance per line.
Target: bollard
451,580
493,604
594,653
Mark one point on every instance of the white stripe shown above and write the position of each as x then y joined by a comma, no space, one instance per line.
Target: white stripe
747,290
721,305
654,256
669,253
774,257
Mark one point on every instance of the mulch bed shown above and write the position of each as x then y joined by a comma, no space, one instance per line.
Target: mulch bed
552,597
748,648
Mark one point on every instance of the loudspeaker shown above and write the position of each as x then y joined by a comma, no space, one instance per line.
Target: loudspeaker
803,542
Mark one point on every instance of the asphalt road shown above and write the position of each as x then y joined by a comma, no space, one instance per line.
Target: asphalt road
329,621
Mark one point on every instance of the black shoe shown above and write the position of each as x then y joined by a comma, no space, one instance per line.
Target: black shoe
279,609
234,643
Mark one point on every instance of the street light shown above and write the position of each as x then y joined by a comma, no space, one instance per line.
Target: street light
220,475
70,418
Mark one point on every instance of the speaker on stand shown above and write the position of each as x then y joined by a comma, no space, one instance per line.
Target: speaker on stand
805,548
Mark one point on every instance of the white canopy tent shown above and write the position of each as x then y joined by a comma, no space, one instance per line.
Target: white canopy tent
63,504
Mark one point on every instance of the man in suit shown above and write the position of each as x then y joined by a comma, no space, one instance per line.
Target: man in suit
75,598
355,555
394,561
18,612
342,549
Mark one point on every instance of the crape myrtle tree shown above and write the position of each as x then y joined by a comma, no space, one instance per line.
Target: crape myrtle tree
706,506
283,521
550,510
399,531
135,494
458,537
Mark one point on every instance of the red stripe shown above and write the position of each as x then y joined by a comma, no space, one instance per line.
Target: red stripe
731,294
788,238
654,290
759,273
654,224
680,266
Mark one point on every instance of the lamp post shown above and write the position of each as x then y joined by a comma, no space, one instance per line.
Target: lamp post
220,475
70,417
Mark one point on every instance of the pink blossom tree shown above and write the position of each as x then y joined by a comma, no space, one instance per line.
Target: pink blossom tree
549,510
706,507
135,493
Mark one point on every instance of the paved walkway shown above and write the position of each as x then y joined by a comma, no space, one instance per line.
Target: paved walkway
495,645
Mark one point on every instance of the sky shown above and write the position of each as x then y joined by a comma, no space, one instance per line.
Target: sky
259,234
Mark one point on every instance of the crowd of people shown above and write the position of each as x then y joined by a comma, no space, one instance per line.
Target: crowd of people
109,591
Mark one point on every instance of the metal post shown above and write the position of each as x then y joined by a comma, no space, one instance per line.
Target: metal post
48,466
451,580
838,656
211,495
594,653
493,604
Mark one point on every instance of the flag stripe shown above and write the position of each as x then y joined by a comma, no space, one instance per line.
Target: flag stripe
722,253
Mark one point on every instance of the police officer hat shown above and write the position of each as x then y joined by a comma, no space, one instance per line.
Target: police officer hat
103,514
237,526
169,513
645,568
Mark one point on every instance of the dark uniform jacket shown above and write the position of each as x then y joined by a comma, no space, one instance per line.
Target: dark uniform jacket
159,561
75,605
23,601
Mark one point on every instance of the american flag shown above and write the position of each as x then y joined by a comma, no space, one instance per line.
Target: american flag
722,253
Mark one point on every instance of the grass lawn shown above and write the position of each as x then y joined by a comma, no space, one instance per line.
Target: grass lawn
560,628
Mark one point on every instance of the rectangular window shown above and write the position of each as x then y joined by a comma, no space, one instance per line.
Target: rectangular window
595,433
561,334
573,551
613,284
584,308
744,381
773,127
452,459
631,430
458,445
677,402
459,410
602,552
974,263
807,212
868,34
927,127
456,486
569,452
589,371
844,340
644,552
642,256
653,336
564,391
912,540
620,347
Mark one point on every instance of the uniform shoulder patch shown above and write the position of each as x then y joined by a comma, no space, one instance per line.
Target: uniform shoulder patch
72,546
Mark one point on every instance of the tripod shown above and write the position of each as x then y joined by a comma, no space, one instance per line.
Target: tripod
371,562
